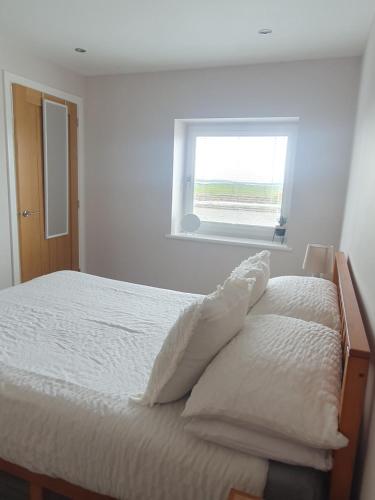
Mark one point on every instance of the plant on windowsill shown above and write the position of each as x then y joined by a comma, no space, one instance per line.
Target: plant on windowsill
280,229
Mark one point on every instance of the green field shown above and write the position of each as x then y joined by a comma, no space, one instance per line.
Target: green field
254,192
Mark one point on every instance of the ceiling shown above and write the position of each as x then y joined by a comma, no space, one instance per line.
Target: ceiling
127,36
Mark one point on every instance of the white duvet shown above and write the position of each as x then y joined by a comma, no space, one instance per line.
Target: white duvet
73,347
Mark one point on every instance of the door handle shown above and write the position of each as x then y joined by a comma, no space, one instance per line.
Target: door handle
28,213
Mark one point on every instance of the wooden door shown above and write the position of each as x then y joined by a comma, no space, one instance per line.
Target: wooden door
39,255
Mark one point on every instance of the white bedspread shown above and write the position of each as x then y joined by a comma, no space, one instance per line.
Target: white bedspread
73,347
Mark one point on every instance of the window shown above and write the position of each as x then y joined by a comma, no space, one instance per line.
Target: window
237,175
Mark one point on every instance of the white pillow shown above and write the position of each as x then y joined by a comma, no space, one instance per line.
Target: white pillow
196,337
280,375
259,444
256,267
311,299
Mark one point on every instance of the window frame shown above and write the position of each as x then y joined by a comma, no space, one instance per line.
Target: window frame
249,127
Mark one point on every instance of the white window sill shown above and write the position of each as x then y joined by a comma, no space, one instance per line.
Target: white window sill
227,240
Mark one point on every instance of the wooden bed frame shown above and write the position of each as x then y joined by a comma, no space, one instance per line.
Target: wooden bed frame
356,354
356,359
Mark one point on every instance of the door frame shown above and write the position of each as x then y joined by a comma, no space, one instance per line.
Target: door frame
9,79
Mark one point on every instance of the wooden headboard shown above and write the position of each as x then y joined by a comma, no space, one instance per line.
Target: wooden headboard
356,354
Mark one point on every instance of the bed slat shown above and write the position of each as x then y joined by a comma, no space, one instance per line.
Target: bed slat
36,492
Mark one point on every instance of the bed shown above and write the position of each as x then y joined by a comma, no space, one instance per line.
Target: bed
67,423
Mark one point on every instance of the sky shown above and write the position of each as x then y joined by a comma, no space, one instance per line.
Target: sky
241,159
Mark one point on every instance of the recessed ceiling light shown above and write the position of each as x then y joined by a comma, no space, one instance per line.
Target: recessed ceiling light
80,50
265,31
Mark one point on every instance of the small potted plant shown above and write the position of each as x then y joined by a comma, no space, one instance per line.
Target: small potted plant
280,229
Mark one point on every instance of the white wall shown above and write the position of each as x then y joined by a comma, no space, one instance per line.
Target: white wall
130,153
19,62
358,241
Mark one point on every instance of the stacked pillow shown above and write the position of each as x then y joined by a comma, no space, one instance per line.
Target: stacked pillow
256,267
267,383
259,444
197,336
273,392
304,297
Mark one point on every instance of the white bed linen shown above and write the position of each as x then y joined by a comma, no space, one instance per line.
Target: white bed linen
279,375
302,297
200,332
73,347
259,444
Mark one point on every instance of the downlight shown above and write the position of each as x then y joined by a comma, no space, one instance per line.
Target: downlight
265,31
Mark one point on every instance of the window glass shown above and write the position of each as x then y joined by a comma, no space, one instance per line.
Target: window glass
239,179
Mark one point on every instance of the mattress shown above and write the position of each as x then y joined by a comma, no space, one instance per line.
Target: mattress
73,349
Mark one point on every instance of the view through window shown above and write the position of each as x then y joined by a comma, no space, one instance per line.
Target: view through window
239,179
